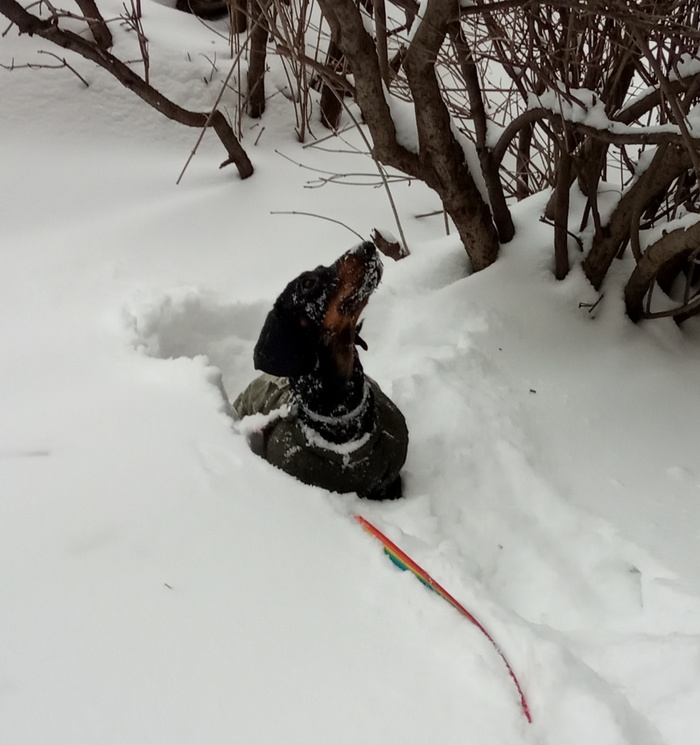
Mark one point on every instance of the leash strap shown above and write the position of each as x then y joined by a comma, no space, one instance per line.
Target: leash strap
406,563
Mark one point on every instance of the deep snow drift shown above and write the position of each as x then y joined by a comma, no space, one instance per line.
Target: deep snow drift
161,584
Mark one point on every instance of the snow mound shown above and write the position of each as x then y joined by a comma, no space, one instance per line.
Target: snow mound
193,323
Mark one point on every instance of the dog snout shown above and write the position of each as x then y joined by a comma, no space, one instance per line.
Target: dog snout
366,249
368,255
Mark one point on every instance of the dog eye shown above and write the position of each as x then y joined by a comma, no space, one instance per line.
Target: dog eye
308,283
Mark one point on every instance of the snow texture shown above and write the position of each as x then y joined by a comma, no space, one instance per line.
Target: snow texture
404,117
161,584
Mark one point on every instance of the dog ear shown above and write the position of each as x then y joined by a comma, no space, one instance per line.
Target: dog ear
284,347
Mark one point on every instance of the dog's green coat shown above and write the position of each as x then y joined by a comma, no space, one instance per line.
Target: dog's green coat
371,469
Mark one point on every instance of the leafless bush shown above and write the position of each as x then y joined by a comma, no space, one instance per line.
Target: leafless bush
506,98
598,94
551,96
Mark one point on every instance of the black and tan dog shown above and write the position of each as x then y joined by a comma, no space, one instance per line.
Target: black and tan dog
336,428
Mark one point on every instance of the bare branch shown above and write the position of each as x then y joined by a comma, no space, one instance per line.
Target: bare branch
39,66
96,23
681,242
319,217
51,31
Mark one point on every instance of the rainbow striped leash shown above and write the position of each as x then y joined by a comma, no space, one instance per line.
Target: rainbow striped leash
403,561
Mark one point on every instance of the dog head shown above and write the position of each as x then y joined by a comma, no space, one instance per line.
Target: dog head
319,311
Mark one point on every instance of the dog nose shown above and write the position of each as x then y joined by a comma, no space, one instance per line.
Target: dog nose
367,249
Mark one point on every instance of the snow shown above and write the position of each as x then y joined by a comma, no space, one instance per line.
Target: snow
404,117
650,236
586,108
161,584
688,65
257,422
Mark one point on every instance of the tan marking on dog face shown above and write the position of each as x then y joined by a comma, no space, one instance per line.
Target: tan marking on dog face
339,322
351,278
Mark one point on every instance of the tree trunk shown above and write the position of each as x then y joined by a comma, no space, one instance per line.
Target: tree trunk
489,168
440,161
522,163
96,23
332,94
679,243
238,16
443,162
668,163
257,61
561,210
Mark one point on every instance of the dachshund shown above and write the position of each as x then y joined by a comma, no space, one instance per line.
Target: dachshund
328,423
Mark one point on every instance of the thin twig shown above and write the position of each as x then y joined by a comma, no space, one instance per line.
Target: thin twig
33,66
577,238
320,217
234,66
382,173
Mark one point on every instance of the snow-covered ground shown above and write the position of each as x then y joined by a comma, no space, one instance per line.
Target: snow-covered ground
160,584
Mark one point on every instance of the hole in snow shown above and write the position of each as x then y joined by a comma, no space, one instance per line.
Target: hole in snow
193,323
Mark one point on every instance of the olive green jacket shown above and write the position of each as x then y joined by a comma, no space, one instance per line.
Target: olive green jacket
369,466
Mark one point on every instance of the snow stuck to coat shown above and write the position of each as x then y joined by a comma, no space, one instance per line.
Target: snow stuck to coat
160,584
